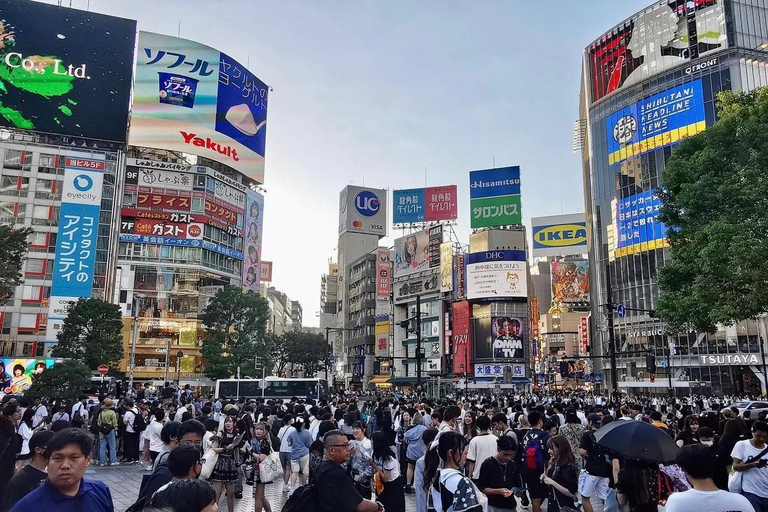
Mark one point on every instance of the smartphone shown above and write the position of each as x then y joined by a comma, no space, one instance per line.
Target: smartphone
367,456
517,489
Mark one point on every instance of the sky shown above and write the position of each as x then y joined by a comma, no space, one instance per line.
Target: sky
396,94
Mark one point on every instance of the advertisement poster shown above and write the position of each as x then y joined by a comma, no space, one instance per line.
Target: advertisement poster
16,374
412,253
638,225
559,235
430,204
459,277
193,98
494,197
496,275
254,221
266,271
383,275
570,281
499,337
658,121
363,210
51,78
435,240
446,267
663,36
76,241
461,336
382,336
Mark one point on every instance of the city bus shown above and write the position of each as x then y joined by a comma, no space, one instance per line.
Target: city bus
273,388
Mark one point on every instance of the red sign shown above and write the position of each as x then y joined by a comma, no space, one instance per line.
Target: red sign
461,337
441,203
84,164
164,201
220,212
583,335
103,369
183,218
266,271
192,231
383,275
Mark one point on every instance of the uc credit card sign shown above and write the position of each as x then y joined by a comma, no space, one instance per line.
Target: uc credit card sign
655,122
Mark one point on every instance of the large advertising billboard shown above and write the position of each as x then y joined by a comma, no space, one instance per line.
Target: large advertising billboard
430,204
638,225
499,338
382,336
65,71
446,267
462,341
16,374
494,197
254,221
192,98
496,275
363,210
570,281
76,240
665,35
412,253
559,235
383,274
655,122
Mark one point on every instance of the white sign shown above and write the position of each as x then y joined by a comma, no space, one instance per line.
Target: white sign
363,210
155,164
496,280
165,179
730,359
497,370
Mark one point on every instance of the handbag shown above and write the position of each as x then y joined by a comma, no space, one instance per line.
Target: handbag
736,477
270,468
210,458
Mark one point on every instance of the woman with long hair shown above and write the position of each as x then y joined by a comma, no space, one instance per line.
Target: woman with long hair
690,434
25,431
468,426
225,472
638,485
300,440
400,444
449,489
573,430
384,462
561,475
261,447
10,444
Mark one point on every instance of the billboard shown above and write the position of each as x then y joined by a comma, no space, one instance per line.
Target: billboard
583,335
497,370
638,225
254,222
363,210
412,253
16,374
446,267
383,275
152,227
192,98
435,240
76,241
570,281
559,235
408,290
430,204
266,271
667,34
655,122
499,337
496,275
461,337
494,197
459,277
65,71
382,336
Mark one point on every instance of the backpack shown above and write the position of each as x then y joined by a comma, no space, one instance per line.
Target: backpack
95,413
77,417
139,424
104,428
534,453
304,498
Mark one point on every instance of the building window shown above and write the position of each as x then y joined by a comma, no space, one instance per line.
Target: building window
31,293
28,322
41,212
35,266
38,239
198,205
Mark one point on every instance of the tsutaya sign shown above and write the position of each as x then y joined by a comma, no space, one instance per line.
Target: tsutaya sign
731,359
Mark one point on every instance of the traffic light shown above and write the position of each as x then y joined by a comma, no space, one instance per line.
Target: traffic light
650,363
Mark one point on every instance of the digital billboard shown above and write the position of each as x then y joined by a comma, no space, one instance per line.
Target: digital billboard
192,98
496,275
254,222
412,253
559,235
65,71
655,122
570,281
430,204
494,197
363,210
638,225
665,35
16,374
499,338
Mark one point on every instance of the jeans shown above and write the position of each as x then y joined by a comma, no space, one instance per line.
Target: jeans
759,503
104,441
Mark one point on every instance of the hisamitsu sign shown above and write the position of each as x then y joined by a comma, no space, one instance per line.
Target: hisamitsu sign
495,197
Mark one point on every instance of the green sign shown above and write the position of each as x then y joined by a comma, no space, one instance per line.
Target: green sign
490,212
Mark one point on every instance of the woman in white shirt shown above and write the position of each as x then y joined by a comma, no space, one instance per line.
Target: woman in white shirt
388,472
155,441
25,431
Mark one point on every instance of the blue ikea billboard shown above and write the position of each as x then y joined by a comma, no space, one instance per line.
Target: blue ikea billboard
663,119
638,225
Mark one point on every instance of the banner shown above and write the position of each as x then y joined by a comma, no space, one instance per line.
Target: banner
435,240
382,336
163,201
461,337
570,281
363,210
412,253
252,242
497,370
559,235
383,275
16,374
583,335
430,204
638,226
405,291
496,275
655,122
446,267
192,98
76,241
193,231
500,337
266,271
494,197
65,71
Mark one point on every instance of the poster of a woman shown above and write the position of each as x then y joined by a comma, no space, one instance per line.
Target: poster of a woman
19,382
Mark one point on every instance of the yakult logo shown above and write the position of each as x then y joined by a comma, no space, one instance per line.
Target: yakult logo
367,203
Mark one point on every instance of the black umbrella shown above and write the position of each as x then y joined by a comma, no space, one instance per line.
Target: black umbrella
637,440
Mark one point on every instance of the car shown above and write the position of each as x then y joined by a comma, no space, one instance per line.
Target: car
750,406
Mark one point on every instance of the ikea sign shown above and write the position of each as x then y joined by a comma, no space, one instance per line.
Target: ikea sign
559,235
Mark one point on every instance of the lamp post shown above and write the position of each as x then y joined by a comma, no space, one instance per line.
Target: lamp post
134,336
179,356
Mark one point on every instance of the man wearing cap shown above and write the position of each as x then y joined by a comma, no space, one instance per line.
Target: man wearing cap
594,478
107,417
30,476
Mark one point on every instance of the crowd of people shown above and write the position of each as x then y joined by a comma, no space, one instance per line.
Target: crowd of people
491,453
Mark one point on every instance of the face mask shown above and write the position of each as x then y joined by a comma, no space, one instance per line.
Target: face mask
708,443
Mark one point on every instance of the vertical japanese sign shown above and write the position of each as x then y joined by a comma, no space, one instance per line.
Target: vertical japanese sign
583,335
435,241
76,240
446,267
494,197
383,275
461,337
459,278
382,336
254,220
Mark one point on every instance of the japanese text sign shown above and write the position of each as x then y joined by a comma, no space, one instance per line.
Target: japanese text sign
495,197
639,228
383,275
162,201
495,275
431,204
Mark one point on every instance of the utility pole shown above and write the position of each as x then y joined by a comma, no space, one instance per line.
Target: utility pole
418,342
134,336
611,335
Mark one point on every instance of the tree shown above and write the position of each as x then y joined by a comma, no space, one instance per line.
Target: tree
308,350
13,248
277,353
715,205
236,322
63,383
91,334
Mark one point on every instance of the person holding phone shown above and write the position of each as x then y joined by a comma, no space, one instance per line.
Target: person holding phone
750,457
499,478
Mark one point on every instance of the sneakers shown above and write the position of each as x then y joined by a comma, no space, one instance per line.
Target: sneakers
287,489
101,465
115,463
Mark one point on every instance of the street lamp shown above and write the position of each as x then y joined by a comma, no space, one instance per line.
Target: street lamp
179,356
134,335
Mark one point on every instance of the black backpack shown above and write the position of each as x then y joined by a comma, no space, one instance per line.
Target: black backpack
304,498
77,417
104,428
95,413
139,424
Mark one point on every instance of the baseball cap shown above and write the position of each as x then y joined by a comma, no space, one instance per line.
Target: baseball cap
594,418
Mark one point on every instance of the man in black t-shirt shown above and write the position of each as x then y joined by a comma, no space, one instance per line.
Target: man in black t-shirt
595,479
30,476
499,477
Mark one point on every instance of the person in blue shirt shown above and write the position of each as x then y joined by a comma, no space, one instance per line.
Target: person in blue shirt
65,489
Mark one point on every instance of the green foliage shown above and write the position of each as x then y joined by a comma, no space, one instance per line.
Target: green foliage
307,351
92,334
62,383
13,248
715,204
236,323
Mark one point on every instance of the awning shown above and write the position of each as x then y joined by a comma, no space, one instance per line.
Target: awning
379,379
403,380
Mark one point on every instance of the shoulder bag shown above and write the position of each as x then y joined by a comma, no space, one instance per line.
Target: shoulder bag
270,468
736,477
209,460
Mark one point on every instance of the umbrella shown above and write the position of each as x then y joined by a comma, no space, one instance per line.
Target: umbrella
637,440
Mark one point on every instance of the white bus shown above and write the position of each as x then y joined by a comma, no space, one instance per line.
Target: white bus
273,388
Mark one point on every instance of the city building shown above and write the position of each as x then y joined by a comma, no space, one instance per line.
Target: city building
647,83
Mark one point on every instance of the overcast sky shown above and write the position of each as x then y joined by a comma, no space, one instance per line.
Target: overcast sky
375,92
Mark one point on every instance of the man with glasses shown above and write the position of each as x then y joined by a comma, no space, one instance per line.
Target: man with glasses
334,487
499,478
30,476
